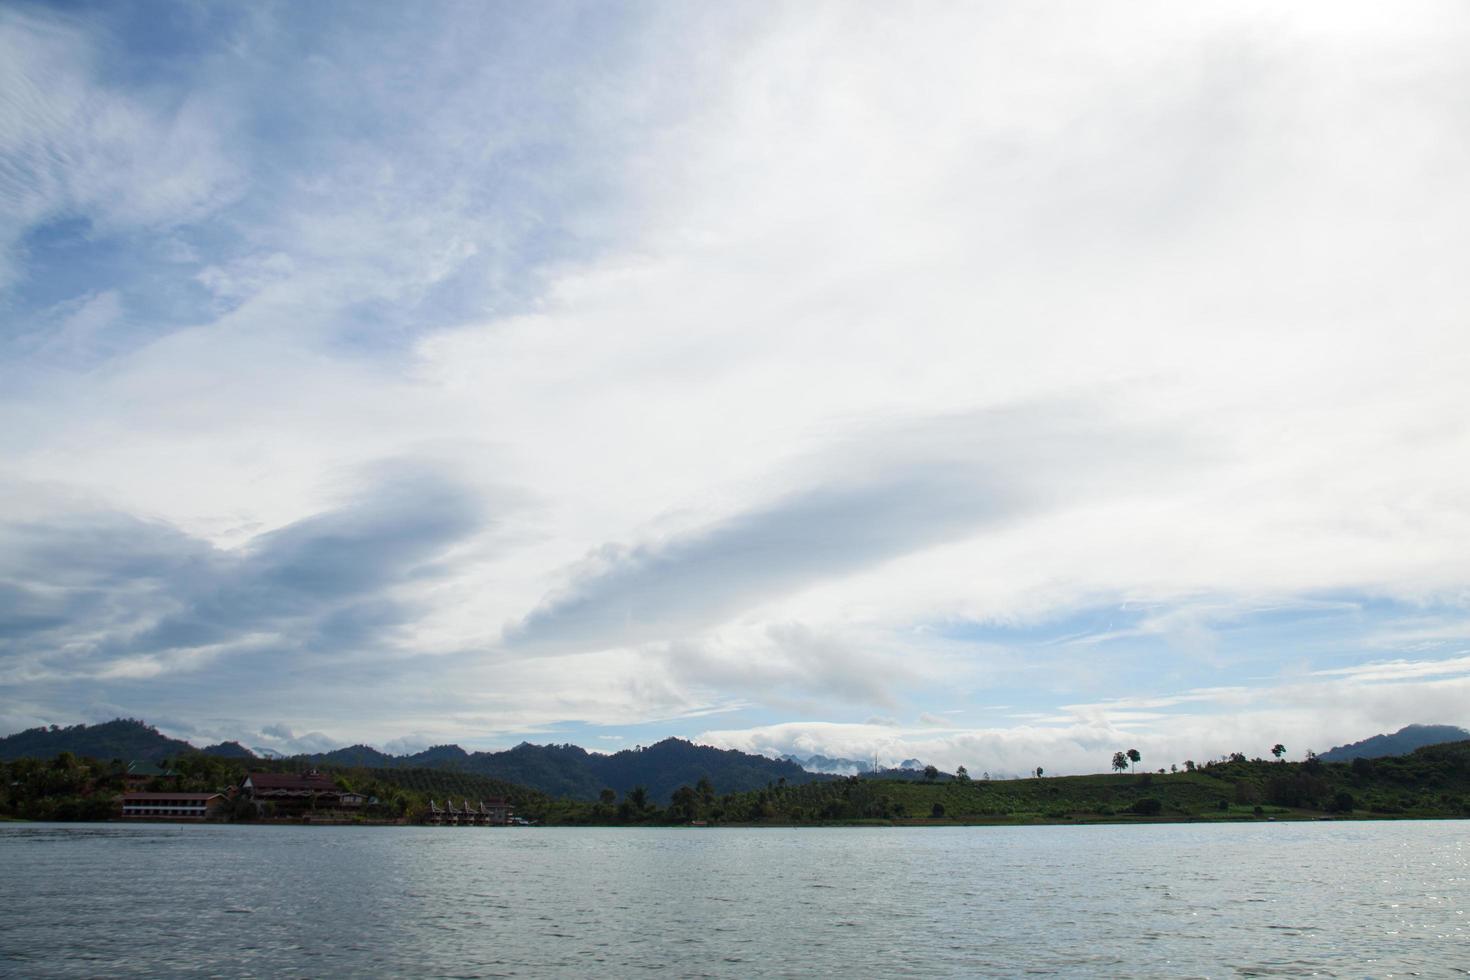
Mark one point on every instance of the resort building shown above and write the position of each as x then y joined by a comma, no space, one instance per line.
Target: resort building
290,792
171,806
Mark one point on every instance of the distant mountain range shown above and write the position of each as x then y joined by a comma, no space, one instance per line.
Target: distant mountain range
571,771
1401,742
557,770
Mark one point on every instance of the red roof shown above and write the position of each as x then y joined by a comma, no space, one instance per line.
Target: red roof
312,781
193,797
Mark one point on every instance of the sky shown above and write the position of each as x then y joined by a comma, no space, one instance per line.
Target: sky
1000,385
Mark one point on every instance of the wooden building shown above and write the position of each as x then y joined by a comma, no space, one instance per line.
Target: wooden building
290,792
494,812
171,806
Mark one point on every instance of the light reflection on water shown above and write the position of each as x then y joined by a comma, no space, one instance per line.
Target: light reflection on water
1359,899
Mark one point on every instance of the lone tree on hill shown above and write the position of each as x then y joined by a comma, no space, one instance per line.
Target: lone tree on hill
962,774
1120,761
1039,771
1134,756
1278,750
931,773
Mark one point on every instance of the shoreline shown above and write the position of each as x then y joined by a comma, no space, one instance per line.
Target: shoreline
873,824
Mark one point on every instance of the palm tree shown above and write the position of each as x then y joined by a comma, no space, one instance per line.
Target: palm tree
1120,761
1278,750
1134,756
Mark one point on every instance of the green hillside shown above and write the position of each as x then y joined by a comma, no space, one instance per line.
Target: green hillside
1430,782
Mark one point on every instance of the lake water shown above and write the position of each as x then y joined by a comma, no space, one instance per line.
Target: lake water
1292,899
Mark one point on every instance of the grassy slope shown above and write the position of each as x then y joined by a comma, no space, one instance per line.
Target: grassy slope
1431,782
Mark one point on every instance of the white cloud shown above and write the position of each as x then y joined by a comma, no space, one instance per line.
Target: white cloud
794,346
1301,713
73,146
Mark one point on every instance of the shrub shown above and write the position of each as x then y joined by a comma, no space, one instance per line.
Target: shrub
1147,807
1343,802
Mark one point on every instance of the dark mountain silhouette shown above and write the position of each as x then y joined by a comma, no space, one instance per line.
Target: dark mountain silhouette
439,755
665,766
1401,742
358,755
228,750
556,770
121,738
572,771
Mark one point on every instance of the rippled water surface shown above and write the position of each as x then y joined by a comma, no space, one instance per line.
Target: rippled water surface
1334,899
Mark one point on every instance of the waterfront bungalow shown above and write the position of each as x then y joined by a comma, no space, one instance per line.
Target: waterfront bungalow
171,806
292,793
494,812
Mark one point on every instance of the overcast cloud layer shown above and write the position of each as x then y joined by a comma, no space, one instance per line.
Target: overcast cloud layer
998,384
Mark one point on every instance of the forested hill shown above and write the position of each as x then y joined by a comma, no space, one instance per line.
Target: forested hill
122,738
571,771
556,770
1401,742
